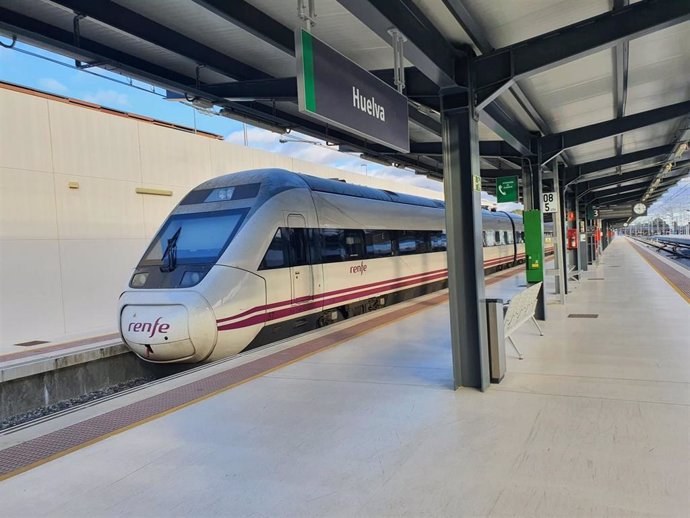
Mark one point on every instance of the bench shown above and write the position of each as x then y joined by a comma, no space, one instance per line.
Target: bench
519,310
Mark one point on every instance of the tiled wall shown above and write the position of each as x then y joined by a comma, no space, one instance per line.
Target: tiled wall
66,254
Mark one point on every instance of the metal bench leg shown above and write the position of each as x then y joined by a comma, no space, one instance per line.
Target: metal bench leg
541,333
515,347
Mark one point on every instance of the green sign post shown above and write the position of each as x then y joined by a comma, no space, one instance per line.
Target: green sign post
507,189
534,246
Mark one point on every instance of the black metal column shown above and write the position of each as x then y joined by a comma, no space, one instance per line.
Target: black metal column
462,187
564,224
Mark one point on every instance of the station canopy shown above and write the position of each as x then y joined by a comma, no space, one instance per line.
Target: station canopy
601,86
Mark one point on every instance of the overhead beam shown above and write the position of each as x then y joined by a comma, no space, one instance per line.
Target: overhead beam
495,148
491,174
634,194
62,41
425,48
617,178
620,76
498,70
576,171
478,36
425,121
498,120
146,29
418,87
244,15
557,142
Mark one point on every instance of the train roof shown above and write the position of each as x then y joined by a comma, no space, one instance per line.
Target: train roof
274,181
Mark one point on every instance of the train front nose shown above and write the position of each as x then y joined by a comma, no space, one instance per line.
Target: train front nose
175,332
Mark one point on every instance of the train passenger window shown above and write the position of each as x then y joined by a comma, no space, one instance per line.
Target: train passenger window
407,242
438,241
379,243
299,246
354,244
489,238
497,237
332,246
507,237
276,255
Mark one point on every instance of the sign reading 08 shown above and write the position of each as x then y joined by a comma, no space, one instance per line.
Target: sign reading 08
337,91
549,202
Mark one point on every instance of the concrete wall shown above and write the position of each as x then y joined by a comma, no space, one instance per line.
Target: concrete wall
66,254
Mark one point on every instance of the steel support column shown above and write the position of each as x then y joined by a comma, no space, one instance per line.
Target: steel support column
464,230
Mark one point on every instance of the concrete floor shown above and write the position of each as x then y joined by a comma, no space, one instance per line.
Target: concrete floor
593,422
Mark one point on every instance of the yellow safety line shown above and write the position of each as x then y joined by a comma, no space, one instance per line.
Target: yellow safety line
423,305
661,273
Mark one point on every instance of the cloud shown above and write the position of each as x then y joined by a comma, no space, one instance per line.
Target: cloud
321,153
51,84
108,98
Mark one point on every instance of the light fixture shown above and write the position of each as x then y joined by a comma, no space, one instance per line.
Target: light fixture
258,124
375,159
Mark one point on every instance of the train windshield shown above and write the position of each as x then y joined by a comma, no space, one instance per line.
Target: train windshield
200,237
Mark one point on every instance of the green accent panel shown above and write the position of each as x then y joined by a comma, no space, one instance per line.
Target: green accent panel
308,58
534,246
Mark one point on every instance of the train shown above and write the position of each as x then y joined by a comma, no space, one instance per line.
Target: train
253,257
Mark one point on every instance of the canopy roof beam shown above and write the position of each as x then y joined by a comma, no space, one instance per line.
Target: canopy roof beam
575,172
498,70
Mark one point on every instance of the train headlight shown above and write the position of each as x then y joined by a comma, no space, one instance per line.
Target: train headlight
223,194
190,279
139,280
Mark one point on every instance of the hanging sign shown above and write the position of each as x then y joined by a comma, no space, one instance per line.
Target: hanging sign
507,189
549,202
337,91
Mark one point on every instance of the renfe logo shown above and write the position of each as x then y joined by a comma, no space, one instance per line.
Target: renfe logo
145,327
360,268
367,105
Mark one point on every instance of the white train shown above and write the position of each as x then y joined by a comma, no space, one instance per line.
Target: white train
253,257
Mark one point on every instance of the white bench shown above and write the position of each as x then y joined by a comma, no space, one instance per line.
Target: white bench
519,310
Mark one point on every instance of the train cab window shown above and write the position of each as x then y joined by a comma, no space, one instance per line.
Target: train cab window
438,241
378,243
298,246
407,242
332,245
489,238
507,237
497,237
354,244
276,255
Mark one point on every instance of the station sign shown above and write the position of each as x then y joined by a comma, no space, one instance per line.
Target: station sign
507,189
549,202
335,90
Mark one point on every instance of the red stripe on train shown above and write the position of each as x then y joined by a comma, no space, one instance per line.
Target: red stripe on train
282,313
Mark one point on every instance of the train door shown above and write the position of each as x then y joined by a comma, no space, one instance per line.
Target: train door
301,272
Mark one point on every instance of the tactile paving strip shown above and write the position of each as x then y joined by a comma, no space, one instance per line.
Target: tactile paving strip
24,456
680,282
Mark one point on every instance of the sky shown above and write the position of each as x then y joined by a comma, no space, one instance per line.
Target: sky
57,75
36,68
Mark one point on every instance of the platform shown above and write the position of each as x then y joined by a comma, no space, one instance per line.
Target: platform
363,422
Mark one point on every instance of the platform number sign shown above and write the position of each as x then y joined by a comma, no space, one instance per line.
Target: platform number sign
549,202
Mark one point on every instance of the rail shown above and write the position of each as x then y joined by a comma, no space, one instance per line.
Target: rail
675,245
